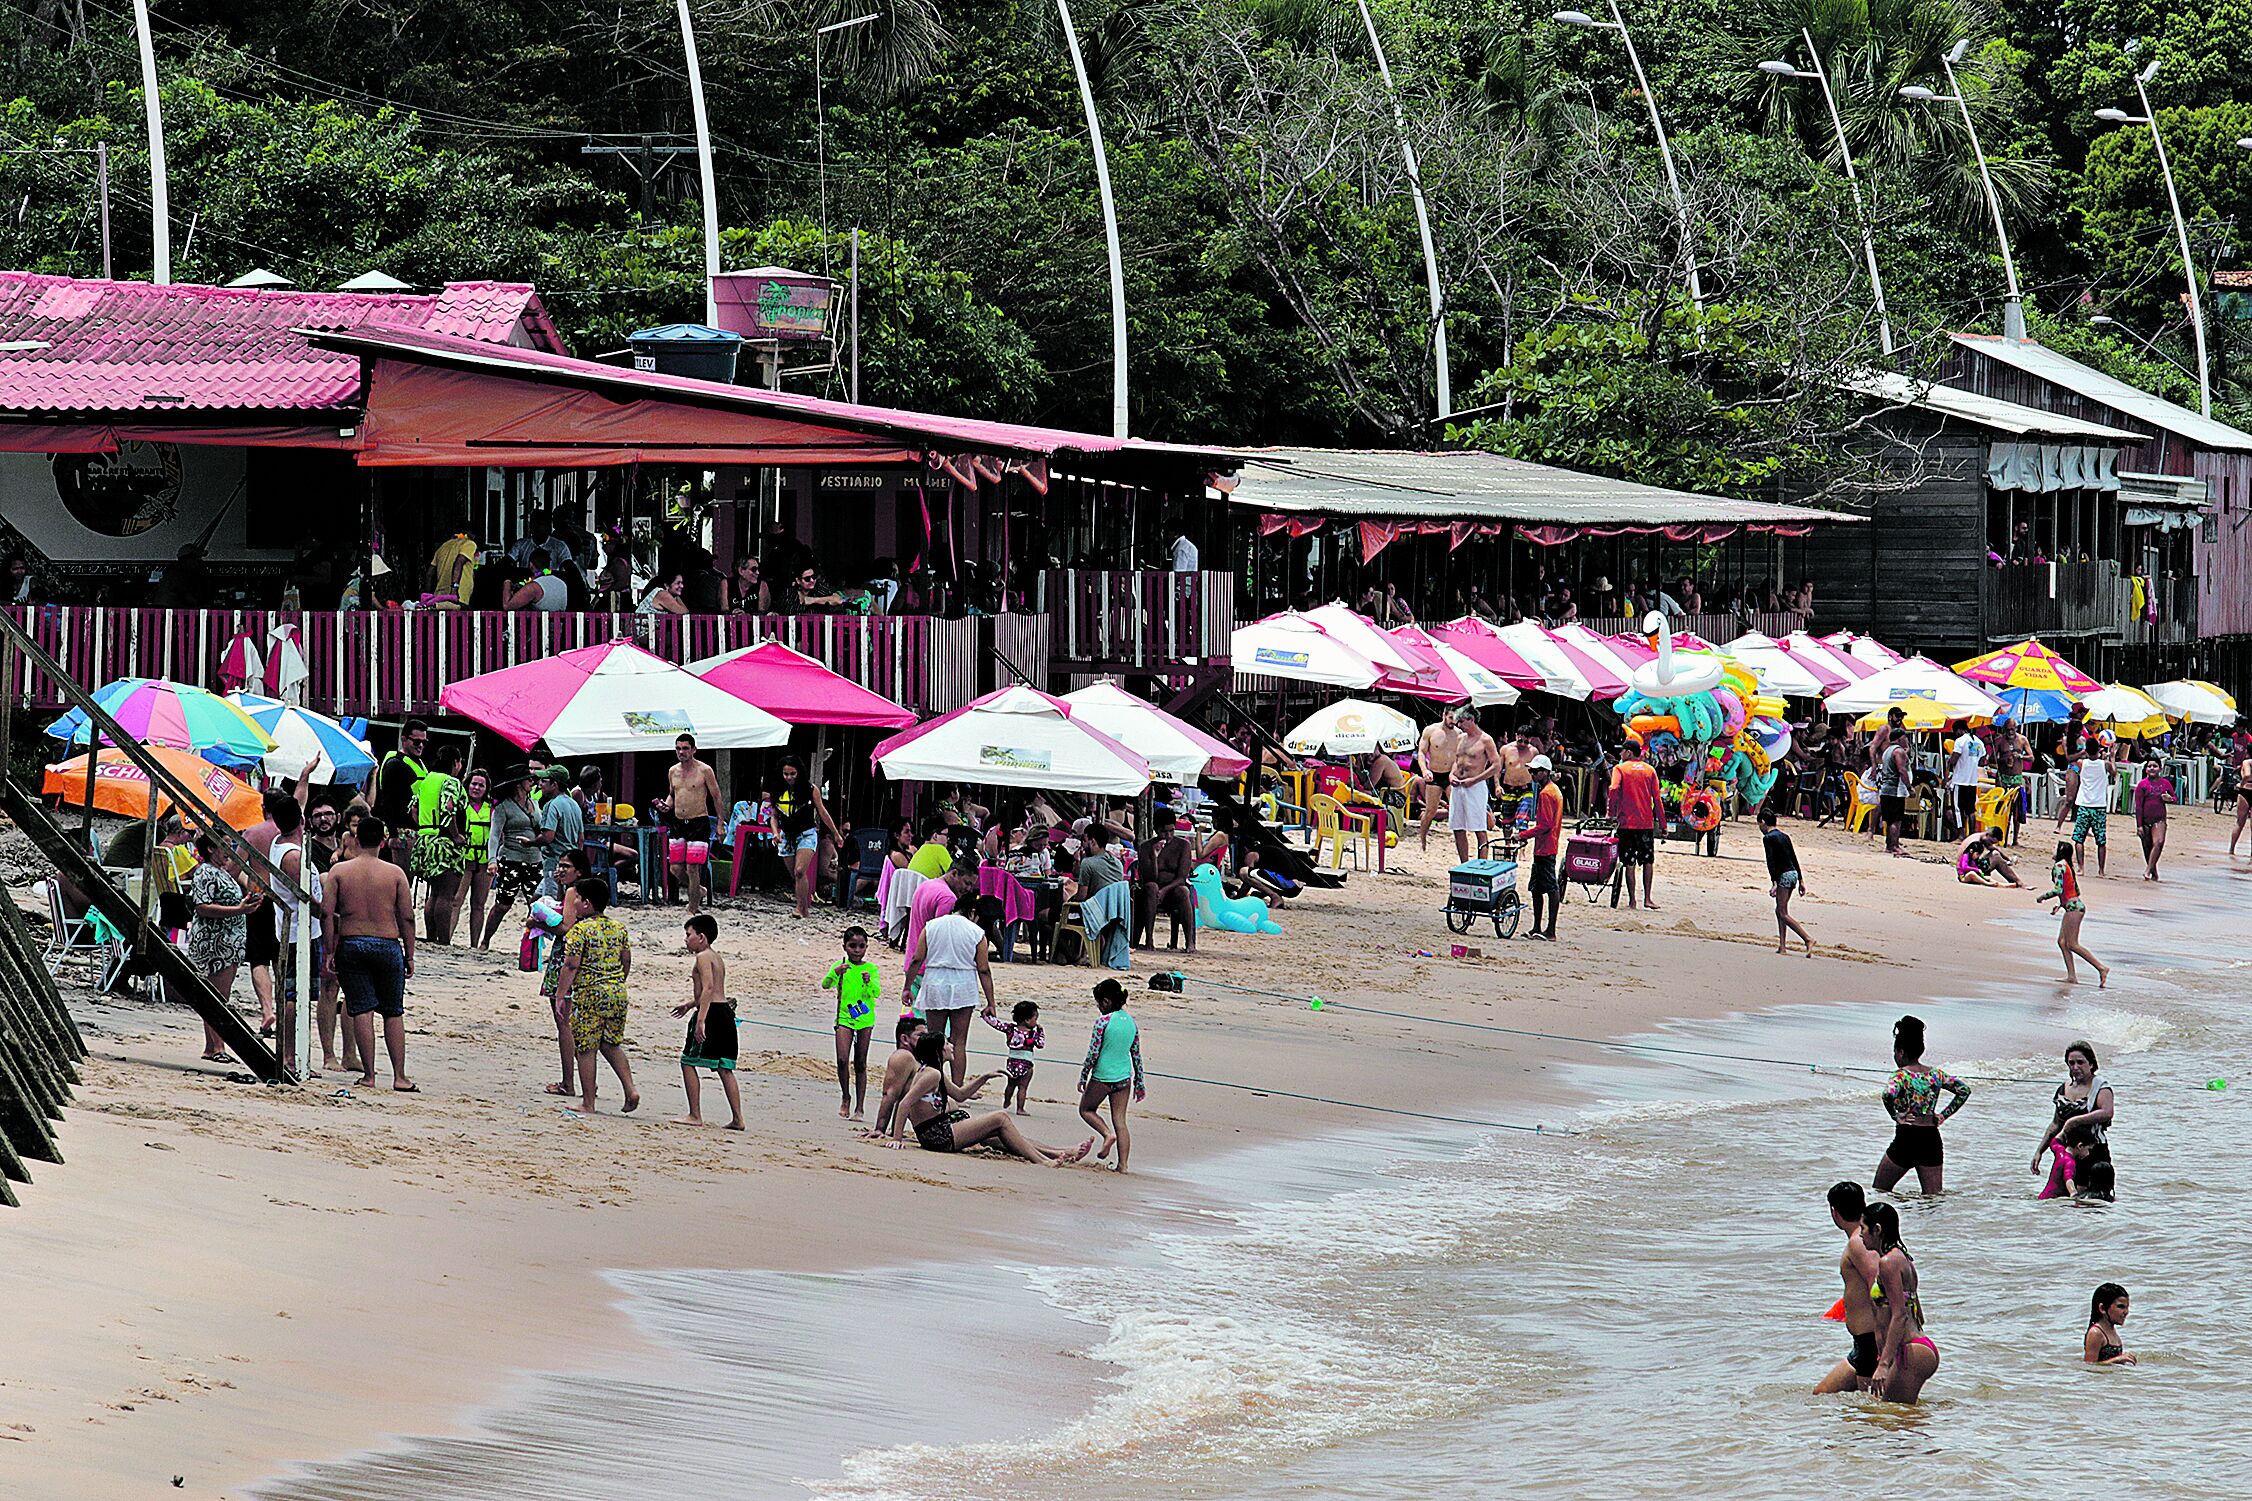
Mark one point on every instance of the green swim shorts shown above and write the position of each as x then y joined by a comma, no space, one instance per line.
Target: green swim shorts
2090,823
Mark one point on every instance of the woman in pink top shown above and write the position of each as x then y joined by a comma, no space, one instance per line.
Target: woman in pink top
2152,794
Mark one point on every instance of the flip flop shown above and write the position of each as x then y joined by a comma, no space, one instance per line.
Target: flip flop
218,1058
406,1089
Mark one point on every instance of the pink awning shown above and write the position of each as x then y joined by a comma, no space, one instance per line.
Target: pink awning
799,689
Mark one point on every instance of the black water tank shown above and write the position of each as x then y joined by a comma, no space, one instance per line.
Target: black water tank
690,349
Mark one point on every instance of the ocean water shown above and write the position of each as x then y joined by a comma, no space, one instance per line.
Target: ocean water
1633,1311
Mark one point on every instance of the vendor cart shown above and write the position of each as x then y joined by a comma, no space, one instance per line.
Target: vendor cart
1483,888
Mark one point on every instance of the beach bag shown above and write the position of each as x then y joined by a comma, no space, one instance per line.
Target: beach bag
1868,794
528,951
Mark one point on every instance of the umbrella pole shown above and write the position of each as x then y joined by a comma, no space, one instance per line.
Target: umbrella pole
148,860
86,824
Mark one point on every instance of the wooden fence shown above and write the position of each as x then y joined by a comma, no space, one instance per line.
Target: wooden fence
389,663
1140,618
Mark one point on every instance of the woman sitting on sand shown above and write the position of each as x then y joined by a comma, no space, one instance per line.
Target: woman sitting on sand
2079,1130
1912,1100
1906,1357
938,1129
2107,1310
1983,862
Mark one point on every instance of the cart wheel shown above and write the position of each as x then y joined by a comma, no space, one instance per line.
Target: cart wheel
1458,919
1618,876
1505,916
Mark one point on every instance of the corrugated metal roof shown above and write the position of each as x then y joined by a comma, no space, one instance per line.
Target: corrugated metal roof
2043,363
1985,411
118,346
1372,483
2164,490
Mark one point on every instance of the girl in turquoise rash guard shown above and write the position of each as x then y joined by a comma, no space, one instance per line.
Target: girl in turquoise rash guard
1113,1066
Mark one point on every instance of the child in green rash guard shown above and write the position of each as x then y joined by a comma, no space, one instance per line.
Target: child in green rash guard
857,986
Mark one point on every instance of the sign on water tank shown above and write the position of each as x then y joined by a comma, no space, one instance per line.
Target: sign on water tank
773,302
644,362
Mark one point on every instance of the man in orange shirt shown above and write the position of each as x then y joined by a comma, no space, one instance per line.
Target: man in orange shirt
1548,839
1634,804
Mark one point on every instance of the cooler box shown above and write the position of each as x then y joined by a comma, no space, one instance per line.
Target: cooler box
1477,885
1590,858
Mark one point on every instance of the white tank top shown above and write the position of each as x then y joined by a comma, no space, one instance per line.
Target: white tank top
950,942
2095,785
285,895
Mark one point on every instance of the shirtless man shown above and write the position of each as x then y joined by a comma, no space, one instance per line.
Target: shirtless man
1517,772
691,818
367,914
899,1069
1435,755
1470,787
1857,1267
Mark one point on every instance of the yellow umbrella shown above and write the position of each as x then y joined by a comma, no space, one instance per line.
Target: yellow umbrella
1917,714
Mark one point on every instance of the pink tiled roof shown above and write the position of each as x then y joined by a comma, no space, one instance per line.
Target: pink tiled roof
121,346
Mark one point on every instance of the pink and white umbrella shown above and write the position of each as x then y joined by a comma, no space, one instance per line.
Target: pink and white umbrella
606,700
1290,645
1835,668
1566,670
1480,641
1620,654
1363,635
1175,750
1450,676
1014,737
1865,649
1778,671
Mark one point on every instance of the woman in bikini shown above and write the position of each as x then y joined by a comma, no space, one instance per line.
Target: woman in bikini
2107,1310
938,1129
2243,800
1906,1357
2072,911
1912,1100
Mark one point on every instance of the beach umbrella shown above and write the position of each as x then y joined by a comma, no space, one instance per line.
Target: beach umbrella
1915,714
2195,700
1835,668
1912,679
1778,671
122,788
1480,641
1450,676
2131,713
1351,727
180,716
299,735
2036,683
606,700
799,689
1620,654
1173,749
1565,670
1864,649
1363,635
1289,645
1014,737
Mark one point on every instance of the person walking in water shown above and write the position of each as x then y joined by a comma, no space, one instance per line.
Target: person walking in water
2152,793
2072,911
1912,1100
1857,1268
1906,1357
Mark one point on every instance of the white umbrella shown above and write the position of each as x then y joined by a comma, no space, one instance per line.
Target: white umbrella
2195,700
1835,668
1175,750
603,700
1915,678
1602,648
1365,636
1866,649
1015,737
1289,645
2133,711
1778,672
1558,673
1451,677
302,736
1351,727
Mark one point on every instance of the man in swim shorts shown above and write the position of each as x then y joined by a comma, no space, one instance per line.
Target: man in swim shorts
691,819
1435,755
1517,773
1470,788
1857,1268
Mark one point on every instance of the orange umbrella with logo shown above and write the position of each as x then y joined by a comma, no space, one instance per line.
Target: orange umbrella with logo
122,788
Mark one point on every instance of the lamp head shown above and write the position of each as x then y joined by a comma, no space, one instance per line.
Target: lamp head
2114,116
847,25
1919,93
2148,73
2244,143
1779,68
1959,51
2103,320
1575,18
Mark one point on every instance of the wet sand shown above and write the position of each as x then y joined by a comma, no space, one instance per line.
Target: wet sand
226,1281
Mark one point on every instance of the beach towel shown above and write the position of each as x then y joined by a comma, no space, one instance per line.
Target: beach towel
1109,916
896,900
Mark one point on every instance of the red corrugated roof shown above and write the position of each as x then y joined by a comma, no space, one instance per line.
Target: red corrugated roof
119,346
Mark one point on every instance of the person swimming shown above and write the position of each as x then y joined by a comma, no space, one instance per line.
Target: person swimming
1911,1098
1858,1268
1906,1356
2107,1310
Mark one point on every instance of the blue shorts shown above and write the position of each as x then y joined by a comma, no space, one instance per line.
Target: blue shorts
2090,823
372,973
1788,880
808,841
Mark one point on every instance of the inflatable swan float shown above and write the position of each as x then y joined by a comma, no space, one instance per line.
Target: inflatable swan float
1667,678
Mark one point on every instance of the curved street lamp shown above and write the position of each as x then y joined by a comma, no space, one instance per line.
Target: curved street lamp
1777,68
2013,311
2149,117
1110,226
1617,23
1445,391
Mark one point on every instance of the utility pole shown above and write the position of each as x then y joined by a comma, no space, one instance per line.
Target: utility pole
853,296
1422,220
646,160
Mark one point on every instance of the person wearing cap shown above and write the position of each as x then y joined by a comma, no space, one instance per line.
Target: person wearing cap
1548,840
562,827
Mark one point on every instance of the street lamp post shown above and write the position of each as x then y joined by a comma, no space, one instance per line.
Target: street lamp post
1422,220
1110,226
1617,23
1780,69
2149,117
705,177
2013,311
821,123
160,181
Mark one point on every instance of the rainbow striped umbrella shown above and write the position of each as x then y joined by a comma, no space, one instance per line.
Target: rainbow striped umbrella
178,715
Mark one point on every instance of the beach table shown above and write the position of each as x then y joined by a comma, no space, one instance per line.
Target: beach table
1017,903
649,850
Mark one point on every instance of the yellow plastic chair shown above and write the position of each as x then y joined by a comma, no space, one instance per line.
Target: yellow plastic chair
1995,805
1338,828
1858,813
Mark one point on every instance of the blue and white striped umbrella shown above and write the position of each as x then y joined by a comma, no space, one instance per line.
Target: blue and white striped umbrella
300,734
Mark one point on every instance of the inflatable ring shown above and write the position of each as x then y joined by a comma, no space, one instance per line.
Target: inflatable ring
1644,724
1701,810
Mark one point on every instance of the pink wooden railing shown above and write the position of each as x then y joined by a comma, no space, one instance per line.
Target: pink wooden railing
386,664
1138,617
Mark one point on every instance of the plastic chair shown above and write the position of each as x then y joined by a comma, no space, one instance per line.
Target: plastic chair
1994,806
68,935
862,861
1337,827
1857,812
1070,919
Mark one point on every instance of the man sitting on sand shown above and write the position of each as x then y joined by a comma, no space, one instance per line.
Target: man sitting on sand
898,1069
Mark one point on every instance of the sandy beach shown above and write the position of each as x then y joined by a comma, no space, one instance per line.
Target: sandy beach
226,1280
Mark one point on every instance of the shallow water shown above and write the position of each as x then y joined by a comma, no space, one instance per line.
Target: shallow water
1634,1312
